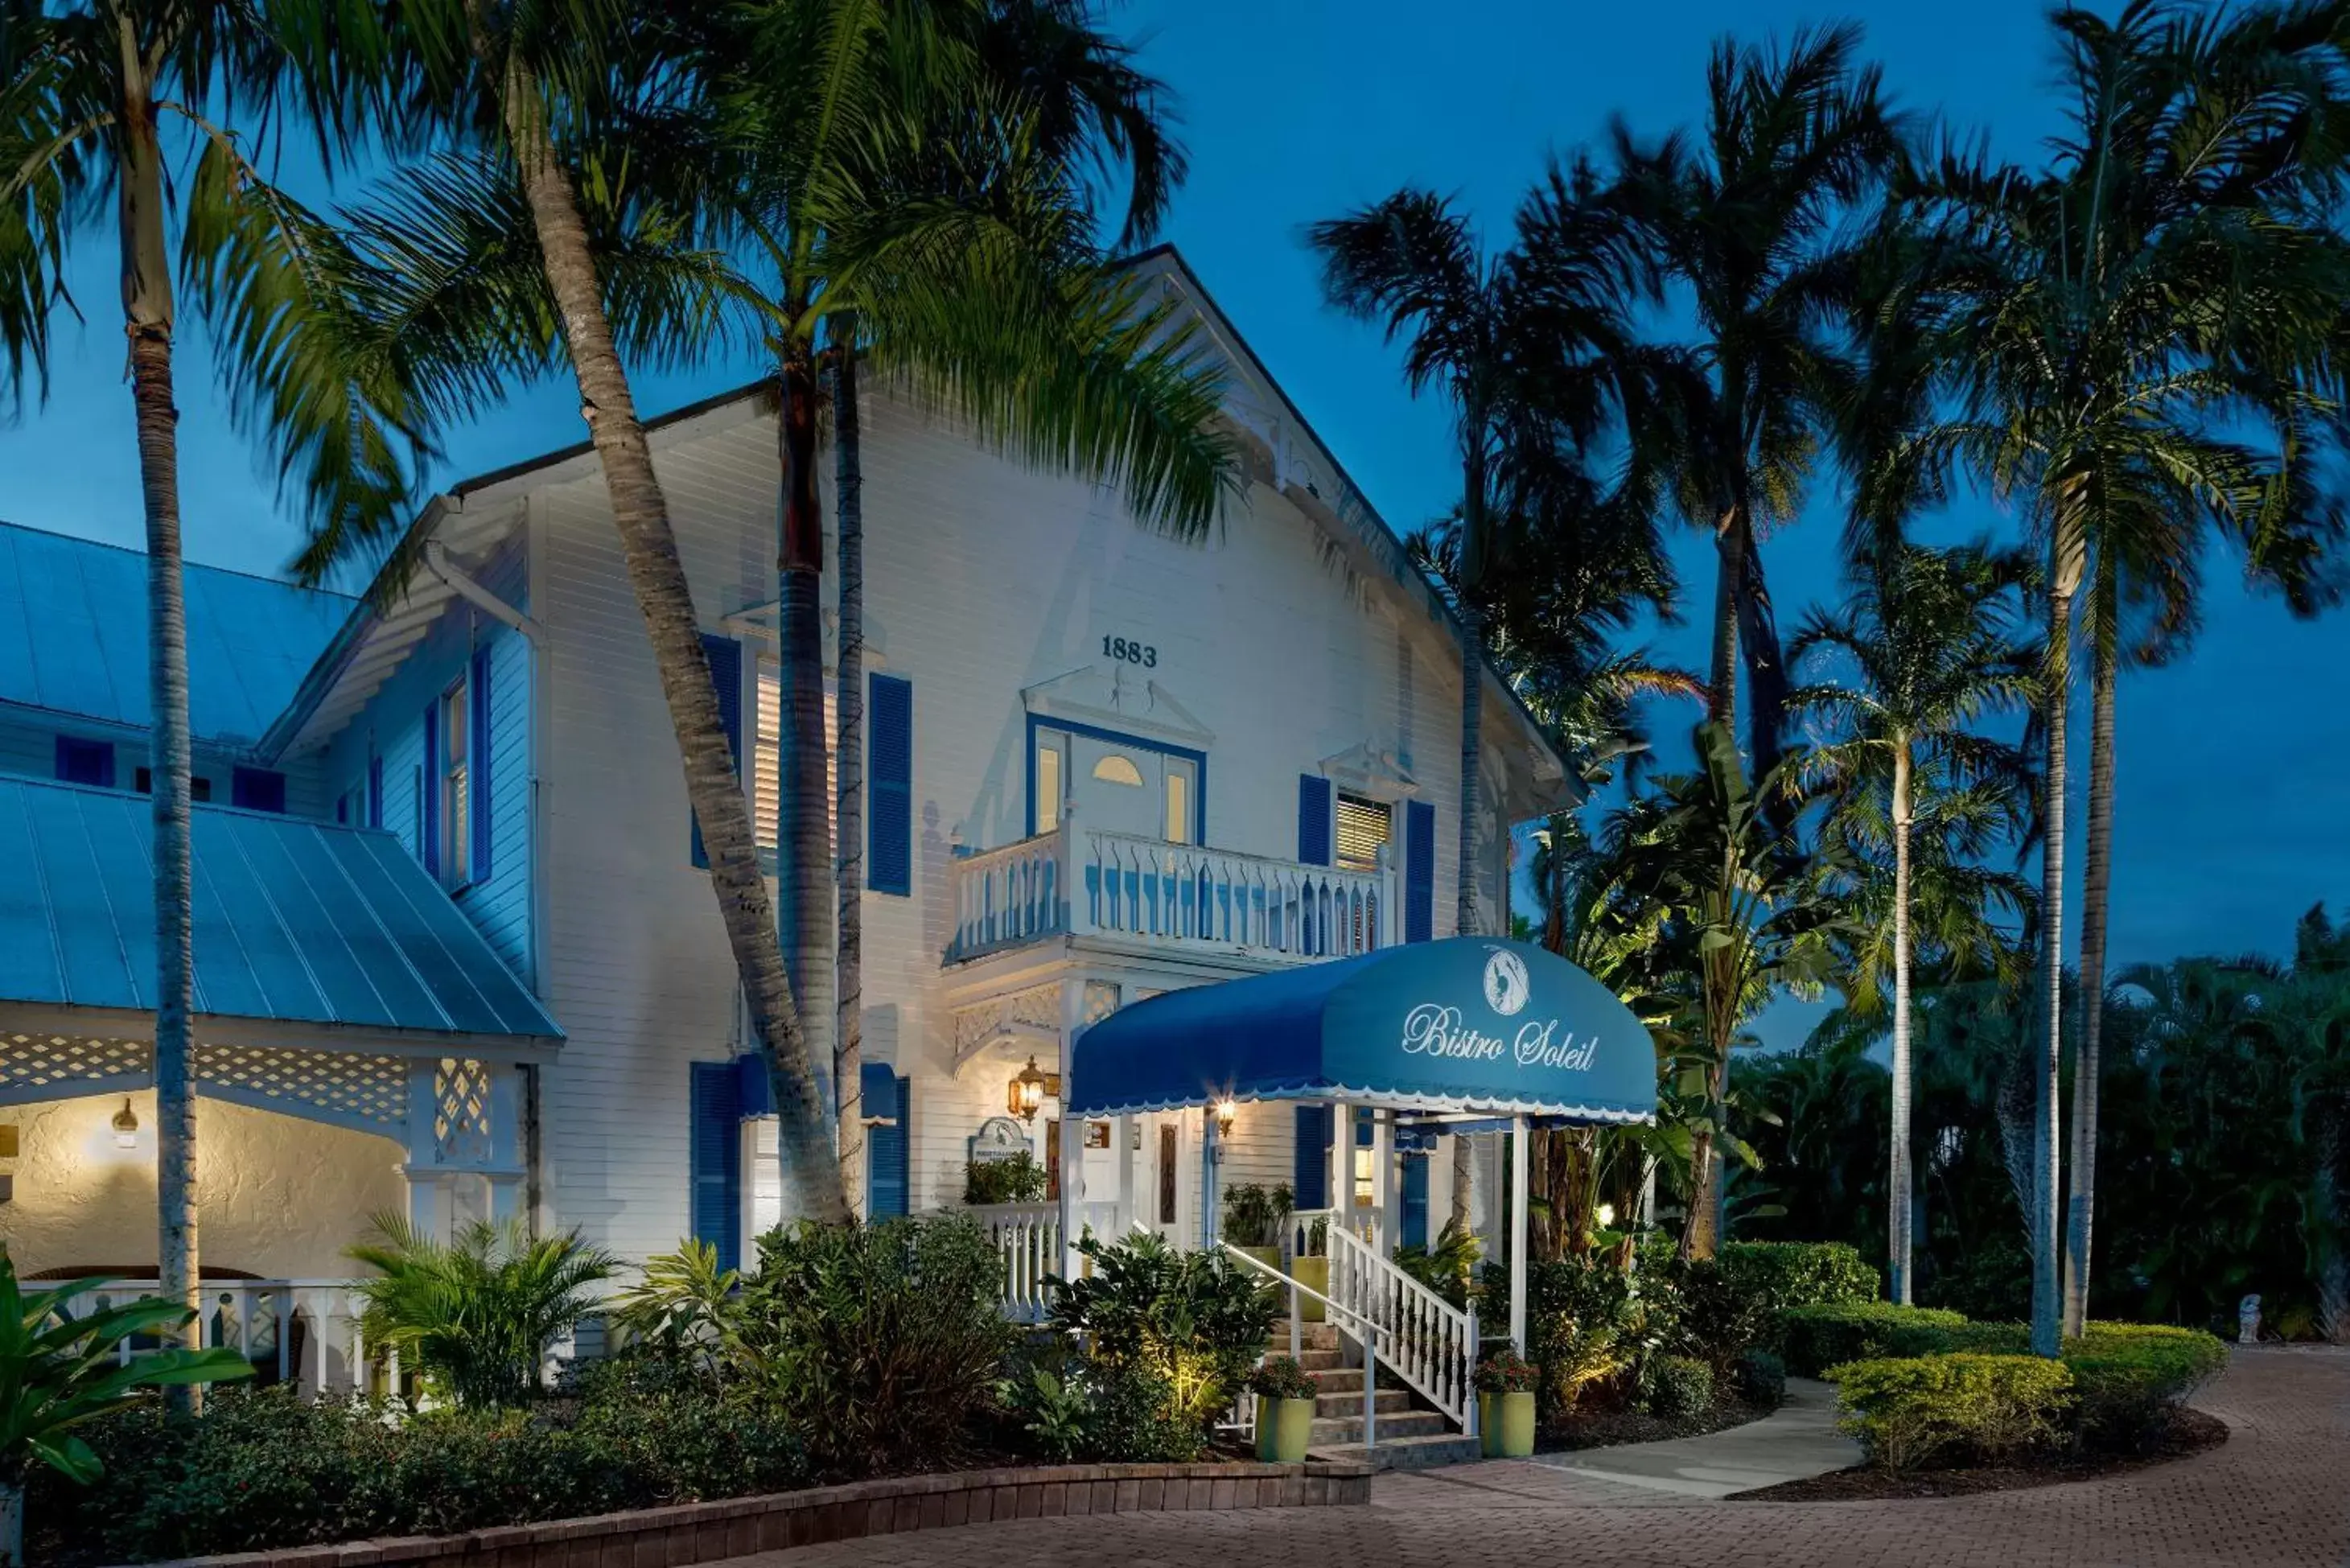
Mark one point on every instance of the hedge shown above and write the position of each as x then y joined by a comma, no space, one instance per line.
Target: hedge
1818,1337
2128,1377
1904,1411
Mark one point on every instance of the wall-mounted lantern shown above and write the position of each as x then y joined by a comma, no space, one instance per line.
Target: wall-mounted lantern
1227,1112
1029,1089
126,1125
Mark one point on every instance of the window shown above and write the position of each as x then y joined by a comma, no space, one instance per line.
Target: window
1365,827
198,790
1167,1173
1118,770
85,761
1178,803
257,789
1051,753
767,758
456,800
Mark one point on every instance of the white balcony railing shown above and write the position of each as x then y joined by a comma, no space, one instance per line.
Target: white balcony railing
1081,881
302,1332
1028,1237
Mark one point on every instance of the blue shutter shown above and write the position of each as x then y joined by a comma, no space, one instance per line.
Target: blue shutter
1310,1169
1418,871
257,789
375,792
890,786
714,1151
1313,819
887,1184
85,761
725,655
428,791
477,772
1415,1199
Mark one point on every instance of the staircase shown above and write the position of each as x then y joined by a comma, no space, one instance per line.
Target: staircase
1407,1437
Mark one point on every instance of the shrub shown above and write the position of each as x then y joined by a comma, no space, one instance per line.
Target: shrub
1446,1267
1906,1411
1015,1179
1504,1371
1718,1319
1280,1377
1091,1410
2128,1378
1762,1378
881,1344
1678,1386
477,1317
1586,1320
1818,1337
1784,1274
1196,1321
1253,1214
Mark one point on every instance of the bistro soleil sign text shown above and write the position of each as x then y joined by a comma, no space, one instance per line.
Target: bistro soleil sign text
1435,1029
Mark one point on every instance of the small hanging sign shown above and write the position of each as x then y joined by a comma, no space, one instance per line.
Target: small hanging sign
999,1138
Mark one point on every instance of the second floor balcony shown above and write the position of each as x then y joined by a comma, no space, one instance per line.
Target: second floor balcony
1083,882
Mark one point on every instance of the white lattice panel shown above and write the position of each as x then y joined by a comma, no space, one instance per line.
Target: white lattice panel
461,1111
347,1087
40,1066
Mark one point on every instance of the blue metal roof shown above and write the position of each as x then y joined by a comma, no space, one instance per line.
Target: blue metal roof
73,636
1464,1024
295,921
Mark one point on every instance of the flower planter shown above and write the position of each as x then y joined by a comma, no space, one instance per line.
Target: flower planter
1269,1256
1505,1425
1284,1426
1314,1273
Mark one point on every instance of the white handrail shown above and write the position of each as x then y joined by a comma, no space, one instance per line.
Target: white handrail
1431,1343
1365,1331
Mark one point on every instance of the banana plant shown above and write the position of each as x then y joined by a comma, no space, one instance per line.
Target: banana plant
60,1371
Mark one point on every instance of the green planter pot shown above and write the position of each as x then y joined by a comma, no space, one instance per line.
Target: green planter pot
1505,1425
1269,1256
1284,1426
1314,1273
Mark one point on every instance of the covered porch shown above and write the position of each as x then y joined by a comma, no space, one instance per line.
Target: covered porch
1420,1045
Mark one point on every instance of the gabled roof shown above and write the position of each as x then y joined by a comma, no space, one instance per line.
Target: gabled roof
73,636
297,922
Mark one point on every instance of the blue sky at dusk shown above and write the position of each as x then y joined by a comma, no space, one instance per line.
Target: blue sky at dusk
2230,808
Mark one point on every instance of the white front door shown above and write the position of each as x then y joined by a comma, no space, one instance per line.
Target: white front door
1116,786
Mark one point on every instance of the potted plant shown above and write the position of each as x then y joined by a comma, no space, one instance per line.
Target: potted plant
1310,1268
1285,1394
1017,1178
1253,1216
1505,1405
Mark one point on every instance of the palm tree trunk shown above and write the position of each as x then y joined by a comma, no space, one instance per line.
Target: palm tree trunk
2047,1145
2333,1258
1730,579
1900,1250
2097,885
804,800
1465,916
848,812
12,1524
147,309
649,546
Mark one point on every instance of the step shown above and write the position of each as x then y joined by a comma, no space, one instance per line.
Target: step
1318,1360
1339,1379
1405,1453
1338,1403
1348,1429
1318,1336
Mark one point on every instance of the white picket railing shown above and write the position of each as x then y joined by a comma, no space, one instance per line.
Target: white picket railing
304,1332
1081,881
1028,1236
1431,1343
1347,1322
1306,1233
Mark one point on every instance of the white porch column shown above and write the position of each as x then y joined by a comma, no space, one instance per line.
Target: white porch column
1122,1130
1342,1162
429,1202
1442,1180
1211,1154
1385,1188
1518,1233
1073,1192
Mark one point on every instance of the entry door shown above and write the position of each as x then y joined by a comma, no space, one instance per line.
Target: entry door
1118,787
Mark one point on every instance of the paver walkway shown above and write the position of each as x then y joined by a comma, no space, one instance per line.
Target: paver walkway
1794,1442
2277,1493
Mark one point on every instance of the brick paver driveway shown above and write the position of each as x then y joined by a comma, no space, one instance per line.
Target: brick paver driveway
2277,1492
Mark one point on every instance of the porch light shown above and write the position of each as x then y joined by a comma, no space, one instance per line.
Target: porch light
1226,1113
126,1125
1605,1216
1028,1090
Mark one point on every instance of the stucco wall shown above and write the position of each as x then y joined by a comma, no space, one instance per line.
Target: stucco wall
279,1196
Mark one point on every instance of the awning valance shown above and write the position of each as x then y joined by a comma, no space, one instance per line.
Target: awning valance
1464,1024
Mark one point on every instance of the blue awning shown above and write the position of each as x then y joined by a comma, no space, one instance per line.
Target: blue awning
296,921
1465,1024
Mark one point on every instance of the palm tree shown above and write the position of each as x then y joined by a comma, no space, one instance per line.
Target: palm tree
95,99
1534,349
2135,339
1745,216
1928,636
931,220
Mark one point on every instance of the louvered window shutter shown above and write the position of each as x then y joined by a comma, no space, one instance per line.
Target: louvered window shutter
726,676
477,769
429,785
1310,1164
890,786
1415,1199
257,789
1313,819
714,1151
887,1163
1418,871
